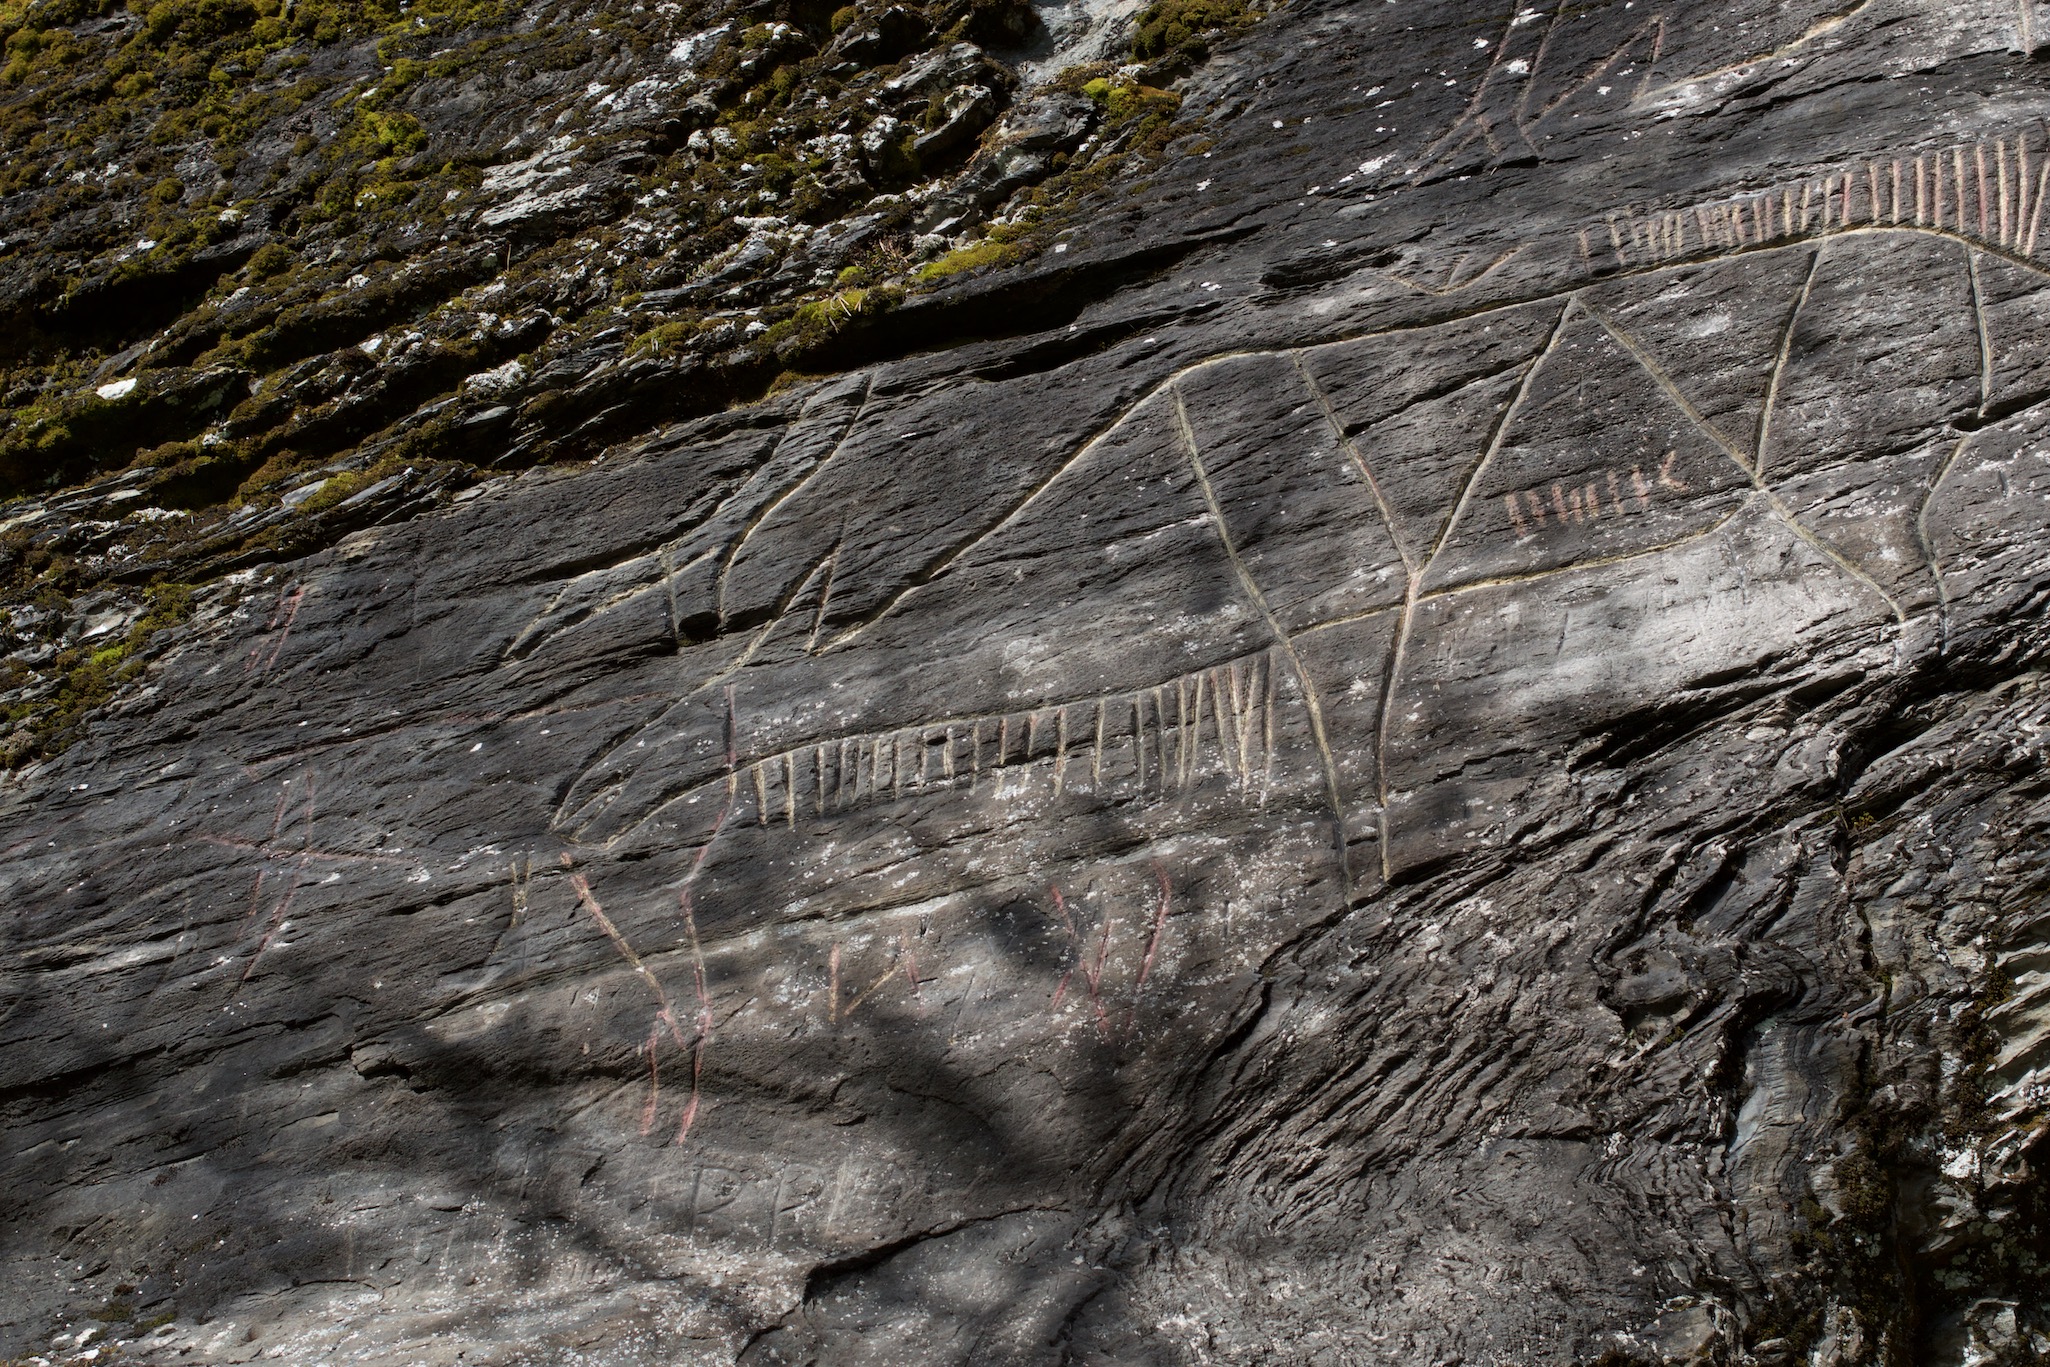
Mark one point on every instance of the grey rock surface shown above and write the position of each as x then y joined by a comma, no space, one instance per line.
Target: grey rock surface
1450,769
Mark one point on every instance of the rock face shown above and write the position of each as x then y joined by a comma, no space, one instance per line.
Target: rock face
1445,763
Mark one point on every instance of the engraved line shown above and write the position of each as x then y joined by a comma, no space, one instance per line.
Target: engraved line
943,563
1814,539
1819,29
1984,338
1353,454
1928,543
768,510
1312,703
1655,27
1393,668
1593,562
967,547
1779,364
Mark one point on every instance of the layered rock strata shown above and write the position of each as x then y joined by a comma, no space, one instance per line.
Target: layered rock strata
1448,768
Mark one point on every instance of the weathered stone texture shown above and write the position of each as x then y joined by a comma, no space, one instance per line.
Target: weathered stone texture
1455,777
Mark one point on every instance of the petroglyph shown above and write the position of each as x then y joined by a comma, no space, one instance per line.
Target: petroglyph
1090,950
277,631
1439,274
1544,70
1576,440
682,581
1536,72
1819,20
288,850
1989,192
1337,771
1148,744
1531,509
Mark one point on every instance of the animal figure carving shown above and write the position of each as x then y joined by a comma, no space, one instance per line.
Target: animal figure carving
1309,514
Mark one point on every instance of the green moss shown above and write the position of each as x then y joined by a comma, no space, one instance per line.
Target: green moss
271,259
668,338
338,489
1184,29
1140,101
397,134
811,325
975,256
88,681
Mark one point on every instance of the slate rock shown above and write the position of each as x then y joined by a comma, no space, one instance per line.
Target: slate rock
1435,756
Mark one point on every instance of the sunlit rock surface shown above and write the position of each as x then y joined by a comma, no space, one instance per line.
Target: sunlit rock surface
1447,768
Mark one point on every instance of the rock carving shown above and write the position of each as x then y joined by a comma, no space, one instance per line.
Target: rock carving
1432,775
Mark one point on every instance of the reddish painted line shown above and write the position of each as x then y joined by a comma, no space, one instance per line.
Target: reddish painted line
653,1046
1159,923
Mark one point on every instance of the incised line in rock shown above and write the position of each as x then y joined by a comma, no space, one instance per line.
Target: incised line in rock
947,559
665,1015
1453,284
1828,24
768,509
1779,365
1312,704
820,572
1591,563
283,905
1092,975
665,562
1152,943
1345,443
542,630
702,1032
1980,331
521,878
1756,478
1655,26
1393,672
1239,693
1476,123
296,859
756,640
835,1012
1929,546
818,620
2006,217
280,625
1537,59
1396,535
1470,118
